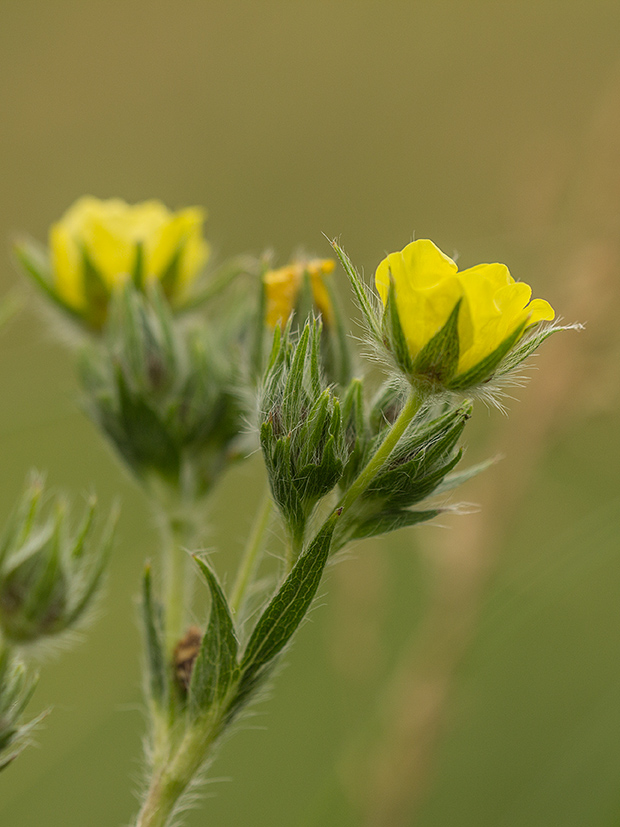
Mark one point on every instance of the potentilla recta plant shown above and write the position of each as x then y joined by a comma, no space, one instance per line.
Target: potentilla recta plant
188,369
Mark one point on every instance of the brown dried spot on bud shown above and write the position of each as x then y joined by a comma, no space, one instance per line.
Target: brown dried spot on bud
185,653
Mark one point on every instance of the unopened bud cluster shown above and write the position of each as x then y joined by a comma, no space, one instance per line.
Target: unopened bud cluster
301,428
167,396
50,570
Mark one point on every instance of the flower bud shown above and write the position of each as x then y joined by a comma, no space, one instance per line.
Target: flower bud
99,245
16,688
301,428
49,572
301,290
415,471
167,396
284,290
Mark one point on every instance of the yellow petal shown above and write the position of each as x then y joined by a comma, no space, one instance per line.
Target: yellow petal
539,311
182,230
67,266
281,290
420,264
317,269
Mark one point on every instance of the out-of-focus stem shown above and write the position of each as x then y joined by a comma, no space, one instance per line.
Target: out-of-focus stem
251,555
176,579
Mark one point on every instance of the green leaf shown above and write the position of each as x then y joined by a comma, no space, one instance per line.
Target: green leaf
439,357
289,606
215,665
391,521
156,662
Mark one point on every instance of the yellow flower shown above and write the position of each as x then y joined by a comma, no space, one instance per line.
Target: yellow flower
98,245
283,287
457,326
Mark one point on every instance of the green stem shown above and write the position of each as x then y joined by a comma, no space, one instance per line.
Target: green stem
251,555
378,459
171,781
177,582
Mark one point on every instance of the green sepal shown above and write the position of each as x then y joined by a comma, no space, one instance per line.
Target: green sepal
361,292
409,483
452,481
285,611
527,346
170,275
16,689
96,292
34,586
355,432
439,357
393,333
137,271
34,259
294,393
388,521
277,455
301,430
144,441
215,667
485,368
152,619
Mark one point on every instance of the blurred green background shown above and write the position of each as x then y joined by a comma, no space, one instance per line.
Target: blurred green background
464,675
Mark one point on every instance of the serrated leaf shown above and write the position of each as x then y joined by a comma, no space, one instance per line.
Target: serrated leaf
153,633
289,606
215,665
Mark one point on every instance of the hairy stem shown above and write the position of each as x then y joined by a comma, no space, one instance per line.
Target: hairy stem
381,455
171,780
